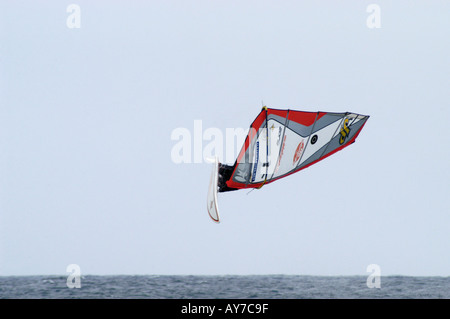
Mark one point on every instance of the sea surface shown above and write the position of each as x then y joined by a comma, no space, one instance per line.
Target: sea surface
223,287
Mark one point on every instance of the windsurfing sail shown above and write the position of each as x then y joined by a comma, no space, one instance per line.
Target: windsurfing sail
282,142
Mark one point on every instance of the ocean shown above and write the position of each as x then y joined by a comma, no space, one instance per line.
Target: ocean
223,287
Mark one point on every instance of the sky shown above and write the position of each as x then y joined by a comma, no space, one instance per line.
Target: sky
90,98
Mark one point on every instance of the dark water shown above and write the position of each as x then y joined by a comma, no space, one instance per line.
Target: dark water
226,287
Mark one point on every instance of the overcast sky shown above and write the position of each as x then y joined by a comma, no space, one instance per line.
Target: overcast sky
87,113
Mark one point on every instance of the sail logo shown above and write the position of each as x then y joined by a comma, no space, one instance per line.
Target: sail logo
345,132
279,134
256,161
298,152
